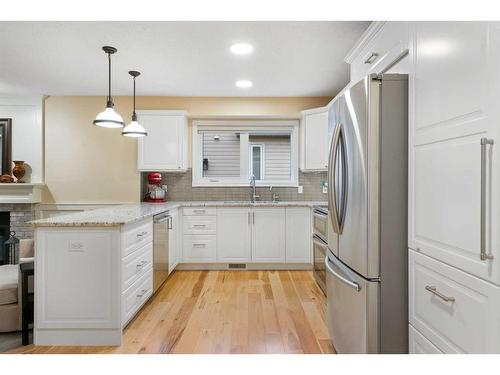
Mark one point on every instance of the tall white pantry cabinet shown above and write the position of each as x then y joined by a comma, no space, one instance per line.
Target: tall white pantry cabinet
454,176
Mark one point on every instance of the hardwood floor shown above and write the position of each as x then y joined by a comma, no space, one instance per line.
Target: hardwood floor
225,312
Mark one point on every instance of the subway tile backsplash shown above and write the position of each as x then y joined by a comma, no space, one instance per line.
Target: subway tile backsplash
180,189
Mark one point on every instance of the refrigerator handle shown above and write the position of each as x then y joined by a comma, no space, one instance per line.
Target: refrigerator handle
332,193
345,181
352,284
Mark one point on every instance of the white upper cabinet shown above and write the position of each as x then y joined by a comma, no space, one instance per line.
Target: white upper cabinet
165,147
234,234
268,235
380,47
453,105
314,139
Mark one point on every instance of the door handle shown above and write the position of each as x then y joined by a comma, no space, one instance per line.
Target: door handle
345,181
483,255
332,204
434,291
352,284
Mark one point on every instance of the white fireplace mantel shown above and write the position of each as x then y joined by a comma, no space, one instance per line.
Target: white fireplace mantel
21,193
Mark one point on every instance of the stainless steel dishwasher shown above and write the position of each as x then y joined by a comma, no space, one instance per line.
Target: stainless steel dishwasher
162,223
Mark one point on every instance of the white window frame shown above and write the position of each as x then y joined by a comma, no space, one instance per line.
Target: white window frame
244,127
250,159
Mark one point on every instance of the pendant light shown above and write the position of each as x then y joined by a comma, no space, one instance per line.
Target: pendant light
109,118
134,129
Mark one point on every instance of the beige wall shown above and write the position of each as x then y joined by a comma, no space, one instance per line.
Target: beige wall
88,164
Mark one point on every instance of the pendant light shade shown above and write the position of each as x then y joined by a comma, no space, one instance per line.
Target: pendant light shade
134,129
109,118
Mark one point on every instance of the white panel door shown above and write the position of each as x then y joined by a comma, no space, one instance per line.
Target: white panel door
298,235
268,234
164,148
315,140
453,104
233,234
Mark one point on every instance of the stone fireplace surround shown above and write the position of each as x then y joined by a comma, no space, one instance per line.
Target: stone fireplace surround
20,213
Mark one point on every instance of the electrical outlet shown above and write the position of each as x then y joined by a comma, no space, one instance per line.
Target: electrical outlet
76,246
300,190
325,189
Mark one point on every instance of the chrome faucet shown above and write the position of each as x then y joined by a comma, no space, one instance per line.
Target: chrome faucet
252,186
275,195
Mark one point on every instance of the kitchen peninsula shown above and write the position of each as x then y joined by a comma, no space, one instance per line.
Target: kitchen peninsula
95,269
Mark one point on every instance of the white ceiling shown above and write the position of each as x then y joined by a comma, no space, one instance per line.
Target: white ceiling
176,58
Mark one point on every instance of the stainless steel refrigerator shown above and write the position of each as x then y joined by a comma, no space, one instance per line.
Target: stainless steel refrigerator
366,262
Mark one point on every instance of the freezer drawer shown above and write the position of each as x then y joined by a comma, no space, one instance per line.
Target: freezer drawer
352,309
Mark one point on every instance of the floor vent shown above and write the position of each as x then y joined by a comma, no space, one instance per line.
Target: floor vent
238,266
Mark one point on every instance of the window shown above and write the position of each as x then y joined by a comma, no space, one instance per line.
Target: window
228,153
256,162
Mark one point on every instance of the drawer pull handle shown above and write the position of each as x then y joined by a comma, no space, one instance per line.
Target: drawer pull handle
142,234
199,226
142,293
371,58
434,291
199,211
139,265
199,245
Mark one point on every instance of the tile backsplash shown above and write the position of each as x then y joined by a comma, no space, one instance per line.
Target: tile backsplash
180,189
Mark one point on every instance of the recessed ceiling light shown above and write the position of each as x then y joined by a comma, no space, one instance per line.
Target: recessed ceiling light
241,48
243,84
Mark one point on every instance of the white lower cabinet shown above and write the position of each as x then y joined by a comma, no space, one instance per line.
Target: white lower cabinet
268,235
298,235
457,312
418,344
234,234
247,235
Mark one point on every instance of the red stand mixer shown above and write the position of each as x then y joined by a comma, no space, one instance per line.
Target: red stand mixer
156,192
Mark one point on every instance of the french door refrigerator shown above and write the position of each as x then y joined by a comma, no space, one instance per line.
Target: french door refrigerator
367,195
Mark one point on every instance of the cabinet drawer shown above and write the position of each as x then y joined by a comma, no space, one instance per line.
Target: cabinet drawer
200,224
199,211
199,248
457,312
135,296
137,235
418,344
136,264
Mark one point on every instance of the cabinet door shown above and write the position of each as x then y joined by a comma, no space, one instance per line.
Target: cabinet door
173,240
268,234
164,148
315,140
298,235
233,234
453,104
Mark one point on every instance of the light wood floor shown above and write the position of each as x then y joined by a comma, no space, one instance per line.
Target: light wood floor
225,312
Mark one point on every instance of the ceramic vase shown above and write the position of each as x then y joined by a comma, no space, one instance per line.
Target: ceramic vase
19,170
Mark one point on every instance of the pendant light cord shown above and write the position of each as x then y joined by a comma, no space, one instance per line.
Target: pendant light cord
134,115
110,102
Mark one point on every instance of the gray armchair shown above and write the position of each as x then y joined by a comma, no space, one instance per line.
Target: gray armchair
10,289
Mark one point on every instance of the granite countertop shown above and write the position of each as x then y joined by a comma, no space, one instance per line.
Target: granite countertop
129,213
